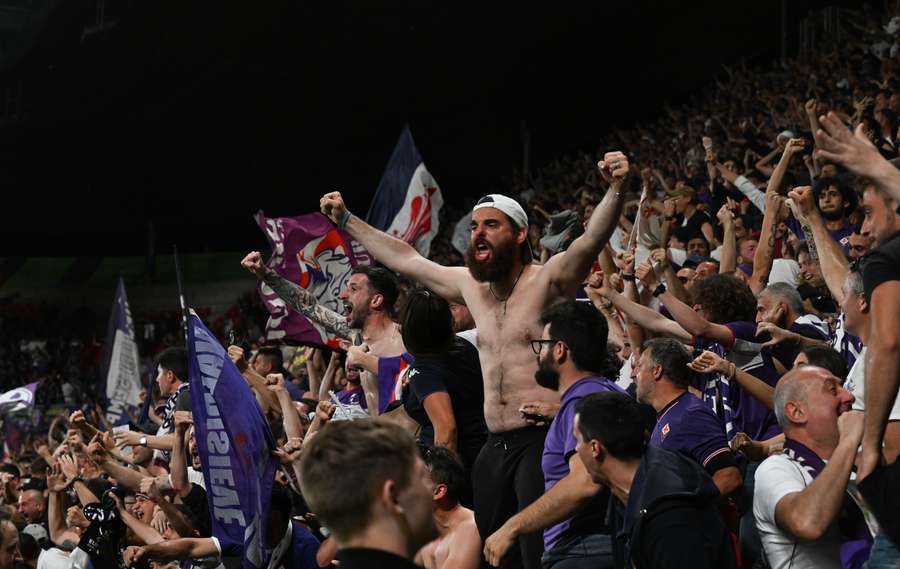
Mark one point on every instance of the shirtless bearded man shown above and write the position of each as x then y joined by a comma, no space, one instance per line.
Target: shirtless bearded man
505,293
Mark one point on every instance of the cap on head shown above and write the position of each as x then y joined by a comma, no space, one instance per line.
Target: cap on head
505,204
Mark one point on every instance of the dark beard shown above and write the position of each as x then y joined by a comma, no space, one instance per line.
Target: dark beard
503,257
832,215
546,376
358,317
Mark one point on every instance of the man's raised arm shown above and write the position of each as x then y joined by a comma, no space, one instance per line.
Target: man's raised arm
569,270
393,253
298,298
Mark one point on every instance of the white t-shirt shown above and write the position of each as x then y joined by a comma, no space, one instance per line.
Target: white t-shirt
54,558
777,477
856,385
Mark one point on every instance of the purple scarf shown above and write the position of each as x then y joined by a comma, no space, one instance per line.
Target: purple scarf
856,541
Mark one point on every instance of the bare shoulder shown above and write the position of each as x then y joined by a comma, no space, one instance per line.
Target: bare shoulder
466,528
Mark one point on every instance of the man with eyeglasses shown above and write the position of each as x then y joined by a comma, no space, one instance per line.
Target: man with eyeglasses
572,511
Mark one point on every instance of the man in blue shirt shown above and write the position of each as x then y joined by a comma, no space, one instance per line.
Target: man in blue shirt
684,423
572,511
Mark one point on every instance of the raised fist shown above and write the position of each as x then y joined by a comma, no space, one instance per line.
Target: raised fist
614,168
253,263
236,353
183,421
332,205
275,382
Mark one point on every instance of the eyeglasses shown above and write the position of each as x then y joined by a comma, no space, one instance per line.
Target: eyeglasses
536,345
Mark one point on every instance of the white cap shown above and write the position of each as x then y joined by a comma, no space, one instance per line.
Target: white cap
505,204
786,134
36,531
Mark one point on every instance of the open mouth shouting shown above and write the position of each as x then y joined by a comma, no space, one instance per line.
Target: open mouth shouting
482,251
348,309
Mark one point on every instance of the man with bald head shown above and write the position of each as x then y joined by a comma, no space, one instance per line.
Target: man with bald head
504,291
798,496
33,507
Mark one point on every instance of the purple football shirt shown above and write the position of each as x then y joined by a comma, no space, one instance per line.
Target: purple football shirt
687,425
559,446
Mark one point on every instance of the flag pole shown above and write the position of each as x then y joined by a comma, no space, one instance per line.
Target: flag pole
184,311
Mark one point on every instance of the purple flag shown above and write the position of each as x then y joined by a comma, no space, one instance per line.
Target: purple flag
309,251
408,199
235,446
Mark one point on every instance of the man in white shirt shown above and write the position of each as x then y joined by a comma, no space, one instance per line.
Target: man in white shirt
798,496
856,321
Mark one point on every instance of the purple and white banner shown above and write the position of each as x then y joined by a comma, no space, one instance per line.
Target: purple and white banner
18,399
311,252
122,380
235,446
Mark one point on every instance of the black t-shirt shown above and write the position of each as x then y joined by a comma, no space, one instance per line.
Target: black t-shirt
458,373
694,224
882,265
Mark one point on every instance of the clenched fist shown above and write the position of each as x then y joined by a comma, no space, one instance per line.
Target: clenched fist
614,168
332,205
253,263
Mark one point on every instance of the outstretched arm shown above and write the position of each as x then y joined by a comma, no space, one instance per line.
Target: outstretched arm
297,297
644,317
694,323
568,270
395,254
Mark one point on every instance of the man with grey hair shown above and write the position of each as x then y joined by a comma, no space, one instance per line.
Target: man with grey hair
780,317
798,496
855,309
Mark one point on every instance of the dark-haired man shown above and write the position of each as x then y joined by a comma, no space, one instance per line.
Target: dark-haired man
670,512
458,545
172,378
369,299
572,511
684,423
503,289
835,201
366,482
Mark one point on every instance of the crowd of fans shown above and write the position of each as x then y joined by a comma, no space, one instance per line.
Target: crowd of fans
682,353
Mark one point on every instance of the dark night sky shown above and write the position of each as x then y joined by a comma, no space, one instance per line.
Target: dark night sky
196,114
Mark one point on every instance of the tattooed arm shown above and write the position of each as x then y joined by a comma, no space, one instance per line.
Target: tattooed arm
304,302
762,259
298,298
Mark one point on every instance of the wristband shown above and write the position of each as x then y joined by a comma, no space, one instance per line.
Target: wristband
628,277
659,290
345,217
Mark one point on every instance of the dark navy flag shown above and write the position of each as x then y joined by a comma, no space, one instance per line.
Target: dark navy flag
122,379
235,446
408,199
